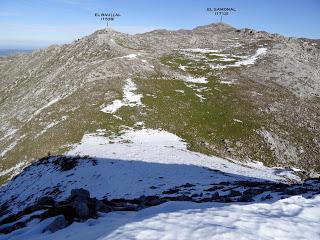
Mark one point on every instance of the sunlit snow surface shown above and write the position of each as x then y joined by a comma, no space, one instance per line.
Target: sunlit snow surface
159,146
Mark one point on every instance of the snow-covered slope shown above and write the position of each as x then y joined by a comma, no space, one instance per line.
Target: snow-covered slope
136,163
149,162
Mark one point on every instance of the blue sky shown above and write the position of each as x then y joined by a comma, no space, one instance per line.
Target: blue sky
39,23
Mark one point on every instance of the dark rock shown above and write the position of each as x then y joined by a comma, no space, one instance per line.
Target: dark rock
128,207
54,191
119,202
4,208
234,193
68,212
225,183
52,212
58,223
183,198
44,161
279,187
17,216
214,188
82,209
102,207
79,194
171,191
202,200
45,201
225,199
267,197
245,198
215,196
251,184
13,227
151,201
92,205
66,163
253,192
296,191
187,185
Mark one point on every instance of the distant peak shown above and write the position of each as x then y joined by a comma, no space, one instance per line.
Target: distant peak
107,31
215,26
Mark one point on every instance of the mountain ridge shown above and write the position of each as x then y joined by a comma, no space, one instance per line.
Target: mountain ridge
100,62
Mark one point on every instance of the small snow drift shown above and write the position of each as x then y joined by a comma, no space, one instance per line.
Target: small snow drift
129,98
251,60
200,50
196,80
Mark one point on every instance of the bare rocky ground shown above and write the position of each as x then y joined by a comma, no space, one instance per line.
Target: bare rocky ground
51,97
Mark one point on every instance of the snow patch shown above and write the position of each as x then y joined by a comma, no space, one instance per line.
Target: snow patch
129,98
130,56
244,62
53,101
179,91
237,120
229,82
251,60
200,97
200,50
196,80
112,108
183,68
